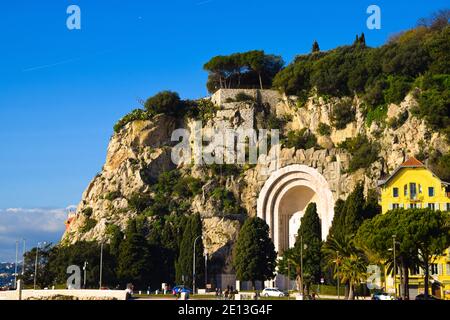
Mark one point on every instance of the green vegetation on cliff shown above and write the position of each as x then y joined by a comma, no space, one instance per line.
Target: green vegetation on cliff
171,193
169,103
418,58
363,152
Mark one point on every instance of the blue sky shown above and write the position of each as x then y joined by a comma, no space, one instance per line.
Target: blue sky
61,91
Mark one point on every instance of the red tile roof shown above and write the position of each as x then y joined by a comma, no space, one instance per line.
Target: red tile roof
412,162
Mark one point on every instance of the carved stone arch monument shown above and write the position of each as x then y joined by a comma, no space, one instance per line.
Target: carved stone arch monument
284,198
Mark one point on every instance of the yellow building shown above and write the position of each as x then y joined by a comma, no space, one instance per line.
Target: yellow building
413,185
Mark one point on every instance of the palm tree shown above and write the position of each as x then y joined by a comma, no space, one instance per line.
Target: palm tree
349,263
353,271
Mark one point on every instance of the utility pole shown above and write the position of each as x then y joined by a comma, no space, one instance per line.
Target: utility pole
101,266
193,266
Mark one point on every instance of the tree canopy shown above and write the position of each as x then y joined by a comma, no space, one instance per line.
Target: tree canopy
421,236
166,102
417,58
254,256
252,69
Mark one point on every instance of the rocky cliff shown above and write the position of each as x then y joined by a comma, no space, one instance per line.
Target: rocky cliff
141,151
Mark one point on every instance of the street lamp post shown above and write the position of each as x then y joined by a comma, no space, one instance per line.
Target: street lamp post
15,265
395,266
36,263
35,266
101,266
337,272
302,247
193,266
206,268
84,269
289,278
301,263
23,258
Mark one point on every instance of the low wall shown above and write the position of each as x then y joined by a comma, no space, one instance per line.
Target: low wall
9,295
79,294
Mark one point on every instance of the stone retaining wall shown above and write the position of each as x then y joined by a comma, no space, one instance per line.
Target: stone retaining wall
271,97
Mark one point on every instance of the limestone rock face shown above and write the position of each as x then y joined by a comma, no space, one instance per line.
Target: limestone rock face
219,232
137,153
142,150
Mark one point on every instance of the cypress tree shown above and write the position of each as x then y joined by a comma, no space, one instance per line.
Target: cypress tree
362,40
350,214
315,47
116,237
310,232
133,260
371,207
193,230
338,220
354,210
254,256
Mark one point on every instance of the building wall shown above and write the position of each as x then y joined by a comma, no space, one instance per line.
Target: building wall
423,178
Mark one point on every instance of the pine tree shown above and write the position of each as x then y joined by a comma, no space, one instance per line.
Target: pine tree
192,231
315,47
133,260
254,253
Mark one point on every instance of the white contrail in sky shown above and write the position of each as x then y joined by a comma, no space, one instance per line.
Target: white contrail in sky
50,65
204,2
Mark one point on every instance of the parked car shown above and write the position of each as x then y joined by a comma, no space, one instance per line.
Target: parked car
272,292
180,289
382,296
430,297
